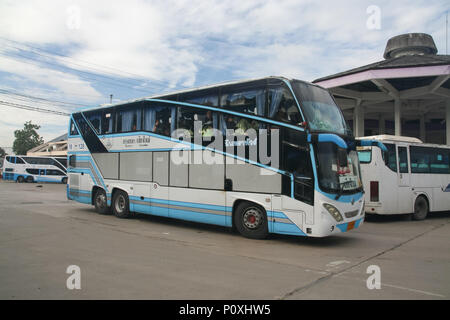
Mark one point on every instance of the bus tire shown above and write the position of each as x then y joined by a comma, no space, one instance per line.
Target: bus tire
420,208
100,202
251,221
30,179
20,179
121,204
64,180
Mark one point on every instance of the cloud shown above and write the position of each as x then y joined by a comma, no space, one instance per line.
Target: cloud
163,45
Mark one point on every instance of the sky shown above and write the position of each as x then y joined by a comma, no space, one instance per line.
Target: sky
67,55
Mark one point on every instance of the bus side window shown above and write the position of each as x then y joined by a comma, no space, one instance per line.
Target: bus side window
250,101
19,160
297,161
239,125
158,119
282,106
107,122
439,161
129,118
390,157
94,118
421,158
205,99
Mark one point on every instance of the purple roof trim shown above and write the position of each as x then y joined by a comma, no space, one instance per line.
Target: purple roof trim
386,74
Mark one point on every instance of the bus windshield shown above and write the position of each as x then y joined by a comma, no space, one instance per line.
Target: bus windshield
319,108
338,169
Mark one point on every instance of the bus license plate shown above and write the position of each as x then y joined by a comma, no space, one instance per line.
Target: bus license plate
348,182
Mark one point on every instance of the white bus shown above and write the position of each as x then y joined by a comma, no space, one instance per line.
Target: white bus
411,177
35,169
139,156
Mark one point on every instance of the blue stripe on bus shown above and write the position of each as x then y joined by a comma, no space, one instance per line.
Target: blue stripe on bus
36,178
197,216
286,228
274,214
82,196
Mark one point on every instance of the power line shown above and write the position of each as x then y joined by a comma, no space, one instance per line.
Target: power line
112,82
117,72
29,97
26,107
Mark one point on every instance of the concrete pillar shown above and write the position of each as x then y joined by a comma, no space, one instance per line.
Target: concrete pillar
398,117
358,120
422,128
447,120
382,124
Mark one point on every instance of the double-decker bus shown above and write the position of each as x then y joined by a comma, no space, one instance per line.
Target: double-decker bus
410,177
35,169
270,155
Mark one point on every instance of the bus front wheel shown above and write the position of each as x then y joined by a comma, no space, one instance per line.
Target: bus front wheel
420,208
251,221
30,179
64,180
121,204
100,202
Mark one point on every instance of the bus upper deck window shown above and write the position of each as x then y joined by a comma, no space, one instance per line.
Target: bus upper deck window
73,129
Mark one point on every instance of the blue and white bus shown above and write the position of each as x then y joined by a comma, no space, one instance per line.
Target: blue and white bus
271,155
35,169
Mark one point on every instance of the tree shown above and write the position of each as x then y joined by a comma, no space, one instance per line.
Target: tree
27,139
2,152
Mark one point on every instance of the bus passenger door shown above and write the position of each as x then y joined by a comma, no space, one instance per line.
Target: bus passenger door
403,180
159,187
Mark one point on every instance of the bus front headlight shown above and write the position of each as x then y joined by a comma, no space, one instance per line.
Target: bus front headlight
333,212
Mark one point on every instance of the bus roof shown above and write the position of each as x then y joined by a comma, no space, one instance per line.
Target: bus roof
220,84
388,137
411,140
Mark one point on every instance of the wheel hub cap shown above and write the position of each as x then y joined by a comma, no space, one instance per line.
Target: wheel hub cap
252,218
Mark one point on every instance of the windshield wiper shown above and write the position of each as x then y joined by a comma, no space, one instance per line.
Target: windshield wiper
340,192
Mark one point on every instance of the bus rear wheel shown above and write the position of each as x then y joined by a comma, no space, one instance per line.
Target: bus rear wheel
30,179
420,208
64,180
20,179
121,204
251,221
100,202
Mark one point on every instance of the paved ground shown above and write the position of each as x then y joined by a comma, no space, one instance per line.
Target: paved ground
42,233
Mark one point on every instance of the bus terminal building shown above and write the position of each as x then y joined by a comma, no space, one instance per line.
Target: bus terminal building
407,93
